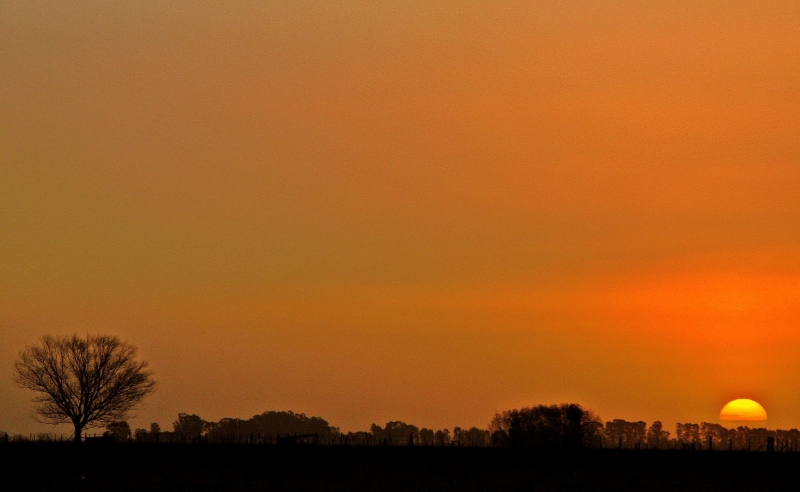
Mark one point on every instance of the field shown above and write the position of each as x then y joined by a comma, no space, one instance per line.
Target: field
64,466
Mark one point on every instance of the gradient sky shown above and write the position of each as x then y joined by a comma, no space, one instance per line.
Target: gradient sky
424,211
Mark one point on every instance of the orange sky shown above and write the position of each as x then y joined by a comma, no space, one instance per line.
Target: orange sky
422,211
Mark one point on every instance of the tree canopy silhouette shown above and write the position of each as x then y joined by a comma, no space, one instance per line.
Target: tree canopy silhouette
626,434
567,425
88,382
120,431
189,426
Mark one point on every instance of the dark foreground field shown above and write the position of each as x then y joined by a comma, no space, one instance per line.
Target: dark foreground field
42,466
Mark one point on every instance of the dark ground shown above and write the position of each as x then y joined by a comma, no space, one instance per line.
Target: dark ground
65,466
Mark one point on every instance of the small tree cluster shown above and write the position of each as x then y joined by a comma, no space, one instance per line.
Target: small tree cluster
120,431
567,425
473,437
625,434
395,433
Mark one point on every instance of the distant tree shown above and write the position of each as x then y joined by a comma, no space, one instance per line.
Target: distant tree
121,431
472,436
86,381
758,438
269,425
188,427
395,433
657,437
498,428
401,433
426,437
155,428
286,423
141,435
442,437
789,439
359,438
230,428
739,437
688,434
592,426
625,434
499,438
713,435
566,425
458,434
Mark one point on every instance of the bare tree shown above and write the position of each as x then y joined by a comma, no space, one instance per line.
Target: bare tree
88,382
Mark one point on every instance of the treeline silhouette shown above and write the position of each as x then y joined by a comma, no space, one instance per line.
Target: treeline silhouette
567,426
265,428
714,436
296,428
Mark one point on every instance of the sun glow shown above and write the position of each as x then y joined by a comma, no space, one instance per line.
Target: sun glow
743,410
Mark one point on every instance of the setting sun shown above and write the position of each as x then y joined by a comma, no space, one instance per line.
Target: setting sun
743,410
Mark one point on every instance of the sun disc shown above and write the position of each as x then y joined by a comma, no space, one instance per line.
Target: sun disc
743,410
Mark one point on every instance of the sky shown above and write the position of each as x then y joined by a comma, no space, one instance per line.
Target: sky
406,210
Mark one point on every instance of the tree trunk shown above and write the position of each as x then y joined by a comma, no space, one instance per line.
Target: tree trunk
78,430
